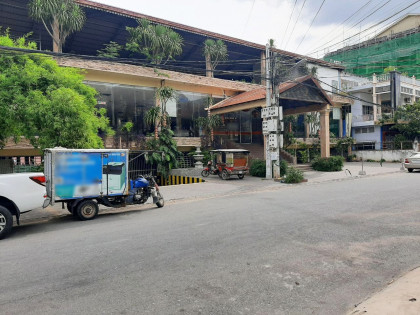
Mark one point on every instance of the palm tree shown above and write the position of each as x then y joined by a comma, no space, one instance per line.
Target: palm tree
157,42
60,18
158,116
214,52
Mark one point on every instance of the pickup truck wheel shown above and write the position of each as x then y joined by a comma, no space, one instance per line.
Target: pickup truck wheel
87,210
6,222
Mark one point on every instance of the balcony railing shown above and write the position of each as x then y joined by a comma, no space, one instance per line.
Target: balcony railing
386,117
363,118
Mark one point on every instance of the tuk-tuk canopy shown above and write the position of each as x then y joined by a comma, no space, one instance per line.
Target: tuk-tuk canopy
231,157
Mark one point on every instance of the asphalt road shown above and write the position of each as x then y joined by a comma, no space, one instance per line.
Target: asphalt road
305,249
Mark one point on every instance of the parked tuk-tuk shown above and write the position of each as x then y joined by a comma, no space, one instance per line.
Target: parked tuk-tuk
230,162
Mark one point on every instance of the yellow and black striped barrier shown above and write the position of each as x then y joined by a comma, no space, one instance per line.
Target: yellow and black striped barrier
178,180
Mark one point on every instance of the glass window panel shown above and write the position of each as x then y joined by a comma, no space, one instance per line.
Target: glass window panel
189,107
125,103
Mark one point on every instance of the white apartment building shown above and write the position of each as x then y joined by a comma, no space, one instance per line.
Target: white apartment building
371,124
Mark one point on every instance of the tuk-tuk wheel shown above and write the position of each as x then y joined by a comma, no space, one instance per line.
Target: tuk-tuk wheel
241,176
225,174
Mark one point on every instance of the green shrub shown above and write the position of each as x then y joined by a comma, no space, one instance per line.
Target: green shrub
351,158
293,175
330,164
302,156
283,167
257,168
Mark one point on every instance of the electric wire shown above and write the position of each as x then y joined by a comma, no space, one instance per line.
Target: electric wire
359,22
287,27
14,51
355,13
294,26
249,16
373,26
320,7
380,29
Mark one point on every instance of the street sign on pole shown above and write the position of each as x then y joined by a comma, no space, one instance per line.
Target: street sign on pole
271,125
270,112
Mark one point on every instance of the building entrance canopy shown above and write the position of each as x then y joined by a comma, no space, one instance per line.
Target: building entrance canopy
299,96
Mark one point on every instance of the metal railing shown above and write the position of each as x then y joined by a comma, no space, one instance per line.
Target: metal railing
139,165
362,118
397,145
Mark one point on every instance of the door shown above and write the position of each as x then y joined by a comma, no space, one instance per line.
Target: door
245,127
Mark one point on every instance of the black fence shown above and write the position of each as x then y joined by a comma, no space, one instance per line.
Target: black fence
138,164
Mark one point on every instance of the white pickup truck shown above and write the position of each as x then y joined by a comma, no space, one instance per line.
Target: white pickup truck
19,193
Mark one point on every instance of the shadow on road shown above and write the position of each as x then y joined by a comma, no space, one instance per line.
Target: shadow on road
64,220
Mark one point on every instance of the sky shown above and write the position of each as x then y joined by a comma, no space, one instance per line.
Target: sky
308,27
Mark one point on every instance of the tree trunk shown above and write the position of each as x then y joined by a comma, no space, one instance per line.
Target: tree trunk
57,45
156,131
209,70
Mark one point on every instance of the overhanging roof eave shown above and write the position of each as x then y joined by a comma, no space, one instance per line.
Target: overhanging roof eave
183,27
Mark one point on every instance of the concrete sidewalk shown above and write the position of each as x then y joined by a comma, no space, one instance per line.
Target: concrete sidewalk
401,296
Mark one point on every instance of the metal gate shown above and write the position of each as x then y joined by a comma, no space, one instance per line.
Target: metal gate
138,164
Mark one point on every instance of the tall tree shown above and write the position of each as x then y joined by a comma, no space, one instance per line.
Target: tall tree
163,142
157,42
157,116
407,120
214,52
48,105
60,18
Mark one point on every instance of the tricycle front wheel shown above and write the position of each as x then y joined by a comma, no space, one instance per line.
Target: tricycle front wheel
241,176
160,202
204,173
225,174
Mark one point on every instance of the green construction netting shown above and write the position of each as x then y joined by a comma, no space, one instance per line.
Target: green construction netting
403,53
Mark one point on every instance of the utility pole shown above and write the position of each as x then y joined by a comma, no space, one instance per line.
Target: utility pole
272,124
268,171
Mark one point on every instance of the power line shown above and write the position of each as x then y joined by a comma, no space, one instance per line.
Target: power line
346,93
287,27
371,27
358,10
249,16
320,7
293,29
360,21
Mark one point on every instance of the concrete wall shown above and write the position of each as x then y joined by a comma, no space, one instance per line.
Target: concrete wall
357,109
387,155
326,75
369,136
